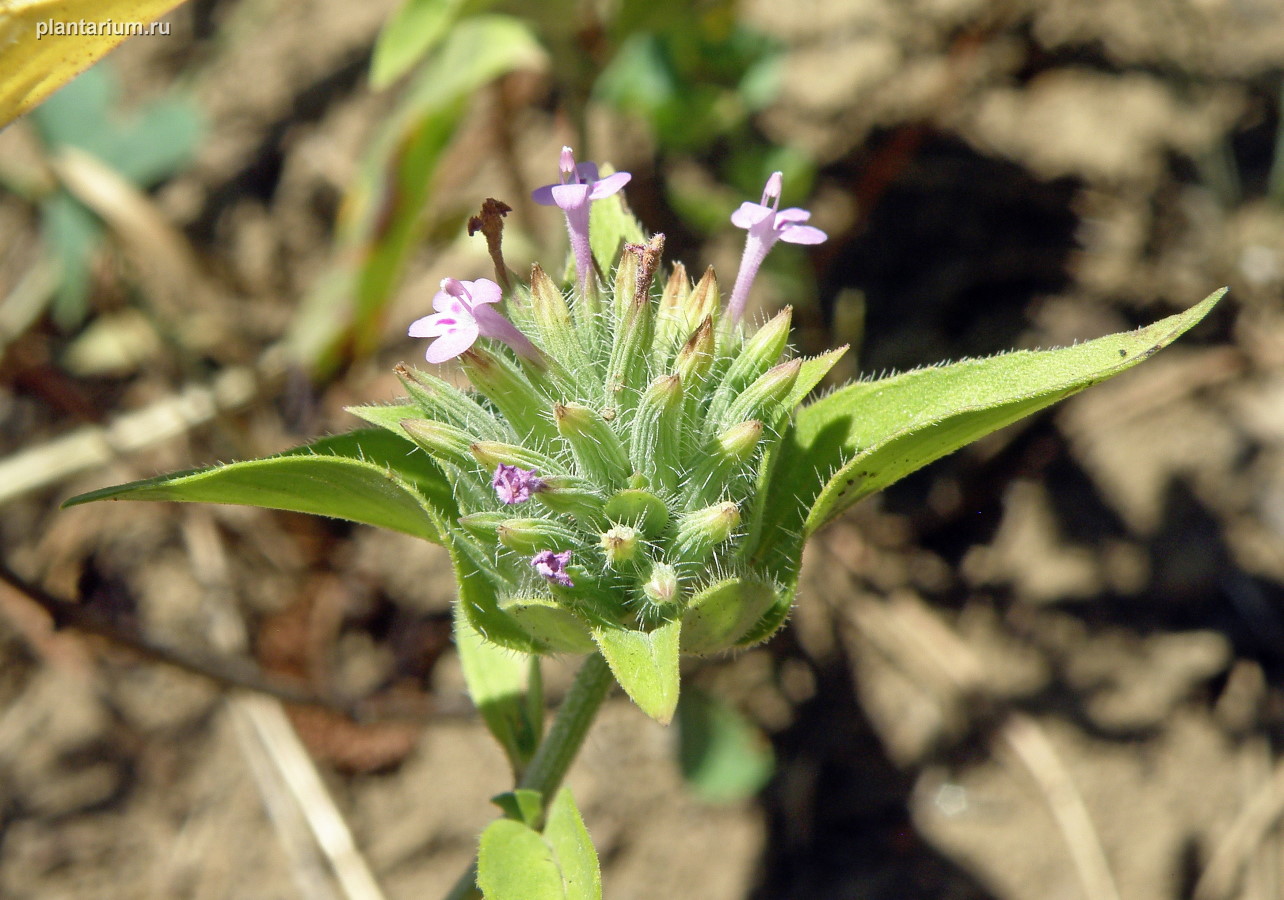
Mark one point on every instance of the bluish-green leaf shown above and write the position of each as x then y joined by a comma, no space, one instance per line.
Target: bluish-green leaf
368,476
646,665
867,435
516,862
723,756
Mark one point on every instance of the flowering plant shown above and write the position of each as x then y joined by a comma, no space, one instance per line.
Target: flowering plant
632,477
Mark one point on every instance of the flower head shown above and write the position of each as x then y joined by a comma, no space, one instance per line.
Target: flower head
553,566
766,225
463,313
579,187
514,484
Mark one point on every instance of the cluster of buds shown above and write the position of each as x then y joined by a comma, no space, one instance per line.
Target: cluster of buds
611,469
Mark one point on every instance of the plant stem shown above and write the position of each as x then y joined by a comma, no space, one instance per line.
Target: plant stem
557,751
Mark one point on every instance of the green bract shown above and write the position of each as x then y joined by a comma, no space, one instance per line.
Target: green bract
673,458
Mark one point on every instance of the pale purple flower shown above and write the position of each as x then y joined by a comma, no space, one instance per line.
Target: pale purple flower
514,484
463,313
579,187
766,226
553,566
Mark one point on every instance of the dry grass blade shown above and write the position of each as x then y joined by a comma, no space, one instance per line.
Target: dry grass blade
90,446
929,652
267,733
1221,877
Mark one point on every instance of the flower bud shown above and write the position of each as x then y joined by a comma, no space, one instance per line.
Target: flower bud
446,403
597,449
444,443
492,454
620,544
505,385
705,299
484,526
635,328
572,496
723,457
656,441
553,322
758,354
662,587
527,536
701,530
640,508
765,398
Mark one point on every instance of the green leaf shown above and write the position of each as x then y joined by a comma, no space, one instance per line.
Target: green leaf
389,416
383,218
720,616
646,665
611,226
497,683
413,31
867,435
368,476
33,66
516,862
722,755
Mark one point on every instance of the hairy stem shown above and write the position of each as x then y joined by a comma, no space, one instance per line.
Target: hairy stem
558,749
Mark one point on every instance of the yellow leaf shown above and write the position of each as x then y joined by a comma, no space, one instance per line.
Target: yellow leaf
46,43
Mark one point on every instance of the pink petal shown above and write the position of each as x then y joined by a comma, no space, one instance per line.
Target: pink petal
570,196
803,234
544,195
609,185
749,214
791,216
446,303
483,290
452,343
434,325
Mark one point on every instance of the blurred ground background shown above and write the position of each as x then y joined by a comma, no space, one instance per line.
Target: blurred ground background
1049,666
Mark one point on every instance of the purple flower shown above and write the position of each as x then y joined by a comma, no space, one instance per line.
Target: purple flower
553,566
514,484
766,226
579,187
462,314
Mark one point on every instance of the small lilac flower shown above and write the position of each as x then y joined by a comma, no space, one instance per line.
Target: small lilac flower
553,566
580,186
463,314
766,226
514,484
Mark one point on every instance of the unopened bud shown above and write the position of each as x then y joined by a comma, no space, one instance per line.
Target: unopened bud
699,531
528,536
484,526
662,587
492,454
655,445
444,443
620,545
759,353
596,447
764,399
508,387
444,402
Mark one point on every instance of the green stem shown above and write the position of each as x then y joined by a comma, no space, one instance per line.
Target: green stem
557,751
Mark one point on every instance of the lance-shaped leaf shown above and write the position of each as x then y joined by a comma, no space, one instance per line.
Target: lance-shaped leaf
369,476
35,63
505,689
646,665
863,437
